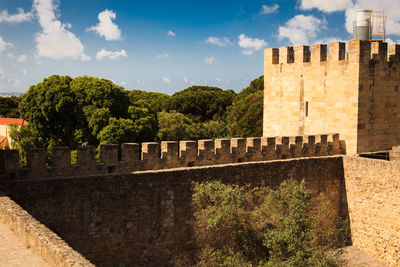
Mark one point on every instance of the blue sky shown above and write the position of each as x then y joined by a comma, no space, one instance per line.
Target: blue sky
165,46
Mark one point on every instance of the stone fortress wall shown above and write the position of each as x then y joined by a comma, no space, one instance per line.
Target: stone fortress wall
144,218
354,94
149,157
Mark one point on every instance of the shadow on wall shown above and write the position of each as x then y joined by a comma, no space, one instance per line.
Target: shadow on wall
145,218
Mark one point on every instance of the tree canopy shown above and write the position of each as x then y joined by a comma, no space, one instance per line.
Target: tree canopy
202,103
245,116
157,101
65,111
9,107
62,111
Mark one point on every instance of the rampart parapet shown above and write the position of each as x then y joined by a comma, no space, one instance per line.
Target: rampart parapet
169,154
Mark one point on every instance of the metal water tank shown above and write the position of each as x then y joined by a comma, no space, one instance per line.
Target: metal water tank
361,25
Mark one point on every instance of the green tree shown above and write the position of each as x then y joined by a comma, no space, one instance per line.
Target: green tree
174,126
255,86
62,111
98,120
145,121
117,131
245,116
9,107
208,130
101,93
140,127
91,94
50,109
23,138
202,103
156,101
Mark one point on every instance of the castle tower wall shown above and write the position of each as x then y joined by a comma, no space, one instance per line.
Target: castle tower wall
379,100
310,91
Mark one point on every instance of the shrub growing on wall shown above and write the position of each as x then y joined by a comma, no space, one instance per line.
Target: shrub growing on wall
243,226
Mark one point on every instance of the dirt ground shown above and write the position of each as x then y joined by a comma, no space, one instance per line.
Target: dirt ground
357,258
14,252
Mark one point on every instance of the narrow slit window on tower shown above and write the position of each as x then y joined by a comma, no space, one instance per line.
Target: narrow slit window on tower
306,108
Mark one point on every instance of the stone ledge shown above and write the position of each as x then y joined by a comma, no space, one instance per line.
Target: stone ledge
42,240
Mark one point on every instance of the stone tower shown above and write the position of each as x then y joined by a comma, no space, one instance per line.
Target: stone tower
355,94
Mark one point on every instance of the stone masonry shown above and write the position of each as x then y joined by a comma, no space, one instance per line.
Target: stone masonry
144,218
148,156
355,94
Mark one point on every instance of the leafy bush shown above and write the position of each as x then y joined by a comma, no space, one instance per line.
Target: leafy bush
244,226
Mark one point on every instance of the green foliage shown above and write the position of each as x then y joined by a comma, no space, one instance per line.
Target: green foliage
98,120
157,101
100,93
92,94
174,126
74,157
243,226
9,107
145,121
117,131
245,116
62,111
177,126
202,103
209,130
256,85
140,126
23,138
50,109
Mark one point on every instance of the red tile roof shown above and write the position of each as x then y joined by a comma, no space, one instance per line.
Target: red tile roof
7,121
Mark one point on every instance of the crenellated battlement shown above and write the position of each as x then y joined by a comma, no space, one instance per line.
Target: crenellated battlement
168,154
358,51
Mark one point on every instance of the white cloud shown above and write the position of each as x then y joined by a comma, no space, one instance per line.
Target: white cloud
209,60
139,82
106,27
24,71
160,56
187,80
20,58
4,45
166,80
251,45
103,53
223,41
269,9
19,17
7,83
55,41
326,5
171,33
302,30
